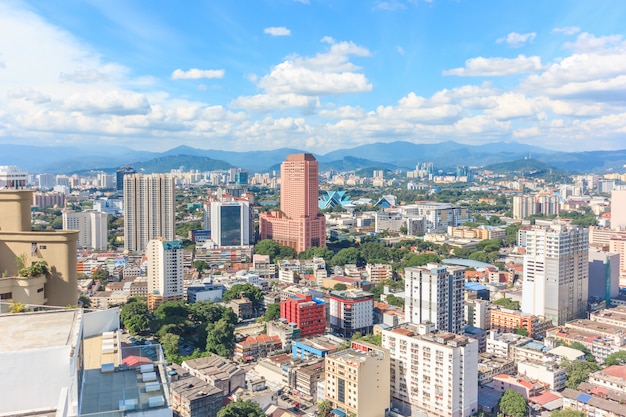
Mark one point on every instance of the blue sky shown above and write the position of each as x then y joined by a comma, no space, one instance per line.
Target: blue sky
315,75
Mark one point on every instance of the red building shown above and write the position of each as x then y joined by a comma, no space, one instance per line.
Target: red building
306,312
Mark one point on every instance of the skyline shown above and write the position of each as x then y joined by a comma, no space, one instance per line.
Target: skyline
313,75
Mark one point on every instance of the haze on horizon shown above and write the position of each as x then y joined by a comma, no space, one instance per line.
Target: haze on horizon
317,75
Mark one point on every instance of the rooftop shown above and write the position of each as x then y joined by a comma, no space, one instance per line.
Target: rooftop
39,330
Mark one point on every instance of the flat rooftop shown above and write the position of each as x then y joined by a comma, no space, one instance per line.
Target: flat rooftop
39,330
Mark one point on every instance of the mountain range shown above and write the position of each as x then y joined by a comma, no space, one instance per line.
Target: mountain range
381,155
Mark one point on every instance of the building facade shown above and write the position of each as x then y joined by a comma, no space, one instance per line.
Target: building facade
357,380
556,271
92,227
299,223
149,209
230,223
165,271
306,312
432,373
434,293
351,311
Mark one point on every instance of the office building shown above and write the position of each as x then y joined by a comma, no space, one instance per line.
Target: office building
92,227
434,293
57,248
604,274
149,209
351,311
357,380
432,373
306,312
437,217
556,271
165,271
120,174
231,223
299,223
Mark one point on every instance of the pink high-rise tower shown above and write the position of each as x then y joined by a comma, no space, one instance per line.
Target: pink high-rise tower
299,223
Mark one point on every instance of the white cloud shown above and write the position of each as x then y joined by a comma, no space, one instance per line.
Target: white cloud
495,67
586,42
195,74
108,102
328,73
265,103
390,5
517,40
277,31
567,30
400,50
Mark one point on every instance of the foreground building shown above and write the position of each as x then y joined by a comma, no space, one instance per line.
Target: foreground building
357,380
165,272
298,224
432,373
18,241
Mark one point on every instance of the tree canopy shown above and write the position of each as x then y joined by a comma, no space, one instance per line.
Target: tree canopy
135,315
249,291
272,312
241,409
578,371
512,403
507,303
567,412
617,358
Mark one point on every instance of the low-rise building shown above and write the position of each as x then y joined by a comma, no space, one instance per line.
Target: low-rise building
217,371
351,312
612,377
253,347
192,397
548,373
490,365
242,307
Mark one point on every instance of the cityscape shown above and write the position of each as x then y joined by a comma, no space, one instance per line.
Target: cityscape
310,208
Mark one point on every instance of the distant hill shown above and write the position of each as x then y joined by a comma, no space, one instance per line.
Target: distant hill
387,155
530,168
189,162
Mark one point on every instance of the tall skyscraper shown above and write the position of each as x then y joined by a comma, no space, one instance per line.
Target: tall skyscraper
120,174
165,271
556,271
231,223
92,227
149,209
434,293
299,223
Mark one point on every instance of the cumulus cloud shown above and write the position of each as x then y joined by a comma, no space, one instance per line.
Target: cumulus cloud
196,74
567,30
327,73
400,50
264,103
517,40
496,67
277,31
108,102
390,5
586,42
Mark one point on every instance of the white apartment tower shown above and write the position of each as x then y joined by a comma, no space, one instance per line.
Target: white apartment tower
432,373
434,293
556,271
149,209
231,223
165,271
92,227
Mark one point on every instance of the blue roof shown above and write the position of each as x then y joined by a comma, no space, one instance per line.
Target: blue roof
338,413
583,398
474,286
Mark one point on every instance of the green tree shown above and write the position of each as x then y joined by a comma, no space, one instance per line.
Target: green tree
85,301
395,301
272,312
578,371
220,338
286,252
102,275
135,316
522,331
317,252
512,403
511,233
348,256
241,408
324,408
340,287
170,342
200,266
249,291
567,412
374,252
267,247
171,309
617,358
